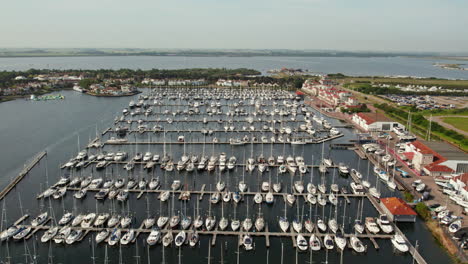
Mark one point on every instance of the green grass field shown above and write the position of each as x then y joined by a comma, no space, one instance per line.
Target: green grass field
458,122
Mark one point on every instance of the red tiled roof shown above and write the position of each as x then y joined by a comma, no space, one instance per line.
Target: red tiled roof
397,206
366,118
435,167
426,150
409,155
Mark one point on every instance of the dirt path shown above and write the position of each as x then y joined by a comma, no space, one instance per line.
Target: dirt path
439,119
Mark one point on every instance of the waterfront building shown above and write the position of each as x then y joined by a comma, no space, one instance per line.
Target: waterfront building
373,122
398,210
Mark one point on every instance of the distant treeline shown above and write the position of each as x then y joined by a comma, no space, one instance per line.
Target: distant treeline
209,74
200,53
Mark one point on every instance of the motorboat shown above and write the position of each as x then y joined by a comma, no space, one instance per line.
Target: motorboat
371,225
269,198
374,192
311,189
153,237
22,232
357,188
215,197
125,221
455,226
77,220
399,243
384,224
258,198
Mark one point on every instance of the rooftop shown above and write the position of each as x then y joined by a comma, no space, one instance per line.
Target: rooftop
397,206
446,150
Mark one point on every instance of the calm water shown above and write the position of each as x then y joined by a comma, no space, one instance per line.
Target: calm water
346,65
59,126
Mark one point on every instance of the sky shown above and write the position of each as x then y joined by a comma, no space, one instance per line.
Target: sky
354,25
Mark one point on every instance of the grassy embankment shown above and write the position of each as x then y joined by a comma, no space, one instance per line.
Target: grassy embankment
450,84
458,122
437,231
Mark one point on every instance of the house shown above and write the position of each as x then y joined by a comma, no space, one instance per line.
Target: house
398,210
436,158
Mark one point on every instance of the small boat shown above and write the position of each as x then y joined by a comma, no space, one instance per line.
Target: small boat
328,242
128,237
162,221
167,239
113,221
371,225
73,236
40,219
180,238
321,225
114,237
258,198
269,198
242,186
62,234
455,226
223,223
284,224
174,221
88,220
259,223
247,224
315,243
102,235
149,222
333,225
226,197
299,186
309,225
77,220
399,243
210,222
66,218
297,225
290,199
247,241
357,245
340,240
235,224
373,191
384,224
49,234
193,238
22,232
215,198
311,189
301,243
153,237
277,187
101,219
358,226
125,221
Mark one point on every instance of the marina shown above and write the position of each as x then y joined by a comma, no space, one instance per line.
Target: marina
153,169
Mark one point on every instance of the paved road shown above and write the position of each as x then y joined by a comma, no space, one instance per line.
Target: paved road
439,119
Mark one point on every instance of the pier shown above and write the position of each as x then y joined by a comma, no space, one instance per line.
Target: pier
22,174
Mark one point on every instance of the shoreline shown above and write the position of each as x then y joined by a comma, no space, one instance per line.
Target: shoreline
437,232
111,95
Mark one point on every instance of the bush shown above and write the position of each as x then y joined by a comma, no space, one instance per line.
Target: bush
423,211
408,196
